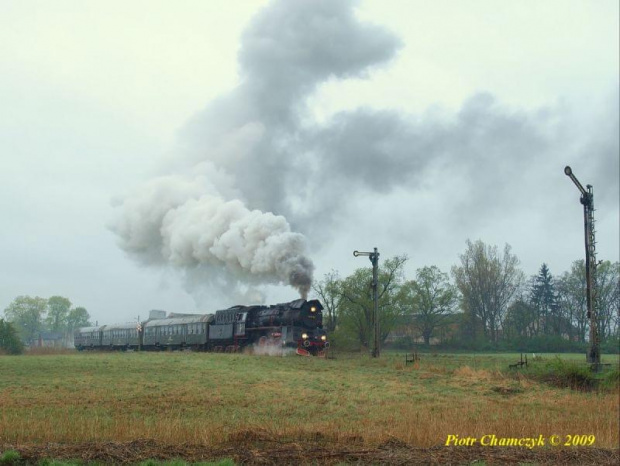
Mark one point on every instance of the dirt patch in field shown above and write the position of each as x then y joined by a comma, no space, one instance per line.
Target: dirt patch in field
253,450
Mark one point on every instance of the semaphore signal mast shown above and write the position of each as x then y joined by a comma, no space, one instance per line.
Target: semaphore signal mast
587,199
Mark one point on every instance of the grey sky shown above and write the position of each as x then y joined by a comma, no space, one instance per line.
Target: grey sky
407,125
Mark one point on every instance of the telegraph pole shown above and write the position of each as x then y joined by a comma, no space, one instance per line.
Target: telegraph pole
374,258
138,332
587,200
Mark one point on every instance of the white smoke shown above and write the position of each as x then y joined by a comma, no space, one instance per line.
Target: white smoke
272,350
185,222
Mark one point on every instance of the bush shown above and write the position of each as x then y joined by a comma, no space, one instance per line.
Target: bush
611,346
9,456
565,374
341,340
611,379
9,341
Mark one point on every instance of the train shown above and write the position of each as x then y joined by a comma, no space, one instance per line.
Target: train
296,325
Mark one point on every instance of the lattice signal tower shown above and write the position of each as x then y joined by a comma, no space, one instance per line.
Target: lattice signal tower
587,200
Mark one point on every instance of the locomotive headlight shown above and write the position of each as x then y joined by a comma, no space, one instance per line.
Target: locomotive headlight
313,309
323,337
304,335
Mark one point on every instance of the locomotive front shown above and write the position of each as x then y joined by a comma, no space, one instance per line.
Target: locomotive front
312,340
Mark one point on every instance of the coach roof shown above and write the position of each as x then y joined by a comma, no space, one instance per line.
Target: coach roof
180,320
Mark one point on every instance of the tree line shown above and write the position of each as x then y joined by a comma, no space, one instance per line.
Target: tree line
486,302
27,317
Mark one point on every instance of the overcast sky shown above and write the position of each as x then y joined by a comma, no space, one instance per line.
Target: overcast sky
406,125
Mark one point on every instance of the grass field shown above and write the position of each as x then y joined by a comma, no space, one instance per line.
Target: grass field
211,399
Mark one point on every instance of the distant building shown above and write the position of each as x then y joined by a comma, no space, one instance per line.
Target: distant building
53,340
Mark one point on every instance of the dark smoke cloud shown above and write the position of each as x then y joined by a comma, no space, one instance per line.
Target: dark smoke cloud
287,51
256,151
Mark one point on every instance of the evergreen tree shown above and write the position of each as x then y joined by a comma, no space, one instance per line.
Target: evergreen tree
544,300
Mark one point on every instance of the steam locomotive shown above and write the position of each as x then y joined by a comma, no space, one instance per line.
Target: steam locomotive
298,325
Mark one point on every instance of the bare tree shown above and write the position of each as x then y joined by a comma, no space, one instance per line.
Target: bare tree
328,292
572,299
608,298
488,282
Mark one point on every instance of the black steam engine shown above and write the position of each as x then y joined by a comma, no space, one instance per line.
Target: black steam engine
296,325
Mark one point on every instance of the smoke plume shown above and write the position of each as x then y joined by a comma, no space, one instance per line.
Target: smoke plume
254,169
219,213
185,222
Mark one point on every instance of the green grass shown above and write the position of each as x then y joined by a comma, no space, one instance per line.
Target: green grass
213,399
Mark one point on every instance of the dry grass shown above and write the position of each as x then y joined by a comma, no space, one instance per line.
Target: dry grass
216,399
261,449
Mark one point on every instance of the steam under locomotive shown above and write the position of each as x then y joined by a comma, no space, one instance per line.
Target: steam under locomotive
298,325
